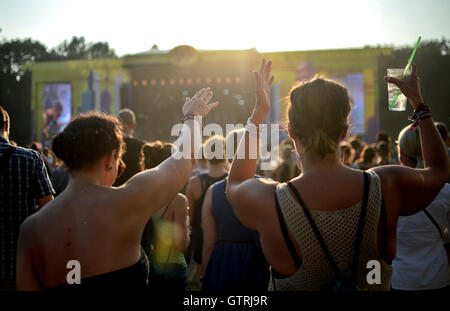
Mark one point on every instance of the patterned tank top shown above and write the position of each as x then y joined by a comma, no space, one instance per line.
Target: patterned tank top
338,229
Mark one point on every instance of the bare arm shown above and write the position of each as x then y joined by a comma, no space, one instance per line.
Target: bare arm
181,226
152,189
26,277
209,230
243,191
414,189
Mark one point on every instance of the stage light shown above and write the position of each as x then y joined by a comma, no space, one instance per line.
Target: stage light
198,80
237,80
153,82
219,80
135,83
208,80
171,81
144,82
162,82
181,81
227,80
189,81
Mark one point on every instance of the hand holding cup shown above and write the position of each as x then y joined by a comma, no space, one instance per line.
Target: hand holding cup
410,86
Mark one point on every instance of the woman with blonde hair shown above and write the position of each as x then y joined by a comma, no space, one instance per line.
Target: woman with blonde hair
421,261
321,230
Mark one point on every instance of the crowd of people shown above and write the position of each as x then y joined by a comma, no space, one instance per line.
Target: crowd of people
138,216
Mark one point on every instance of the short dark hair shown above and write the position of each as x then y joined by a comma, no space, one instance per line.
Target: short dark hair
87,139
355,143
4,117
126,116
210,145
383,136
155,153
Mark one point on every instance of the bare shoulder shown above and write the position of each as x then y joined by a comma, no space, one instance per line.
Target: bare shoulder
180,201
27,229
261,186
179,206
253,200
389,174
194,181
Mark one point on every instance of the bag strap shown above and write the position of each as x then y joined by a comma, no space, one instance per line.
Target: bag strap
167,207
286,236
5,159
274,284
434,222
358,235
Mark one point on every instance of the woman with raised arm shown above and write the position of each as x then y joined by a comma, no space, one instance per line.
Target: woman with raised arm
96,229
325,227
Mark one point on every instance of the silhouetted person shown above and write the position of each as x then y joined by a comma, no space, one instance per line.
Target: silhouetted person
24,183
133,146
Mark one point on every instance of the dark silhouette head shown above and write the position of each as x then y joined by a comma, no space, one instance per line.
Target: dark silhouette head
87,139
155,153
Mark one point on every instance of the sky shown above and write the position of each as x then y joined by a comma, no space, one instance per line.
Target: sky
134,26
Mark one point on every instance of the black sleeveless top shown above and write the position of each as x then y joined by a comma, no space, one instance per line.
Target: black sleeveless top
132,278
205,182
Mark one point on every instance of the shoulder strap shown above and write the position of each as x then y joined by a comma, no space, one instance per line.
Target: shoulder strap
5,159
167,207
286,236
319,237
362,219
202,178
433,221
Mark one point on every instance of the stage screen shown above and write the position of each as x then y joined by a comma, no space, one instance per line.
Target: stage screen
57,110
354,82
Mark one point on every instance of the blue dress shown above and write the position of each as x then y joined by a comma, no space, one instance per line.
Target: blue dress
237,261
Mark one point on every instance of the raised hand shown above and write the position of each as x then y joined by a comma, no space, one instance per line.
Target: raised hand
410,87
263,82
198,104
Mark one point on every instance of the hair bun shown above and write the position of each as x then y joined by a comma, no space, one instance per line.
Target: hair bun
57,146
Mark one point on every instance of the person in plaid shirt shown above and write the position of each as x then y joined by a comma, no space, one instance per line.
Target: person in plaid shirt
24,187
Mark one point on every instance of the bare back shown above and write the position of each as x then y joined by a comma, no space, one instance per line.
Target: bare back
339,189
87,226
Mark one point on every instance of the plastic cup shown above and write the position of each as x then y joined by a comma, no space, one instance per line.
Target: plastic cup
394,92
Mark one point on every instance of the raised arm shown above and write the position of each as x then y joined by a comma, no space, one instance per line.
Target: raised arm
410,190
243,191
154,188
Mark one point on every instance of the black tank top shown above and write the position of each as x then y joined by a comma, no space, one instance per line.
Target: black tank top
132,278
205,182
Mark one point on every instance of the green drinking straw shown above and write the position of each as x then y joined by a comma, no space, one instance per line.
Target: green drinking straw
406,70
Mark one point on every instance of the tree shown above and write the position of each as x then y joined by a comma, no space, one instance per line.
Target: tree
433,67
15,84
77,48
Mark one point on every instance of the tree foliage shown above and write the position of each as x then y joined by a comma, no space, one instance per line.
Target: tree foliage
433,67
15,84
